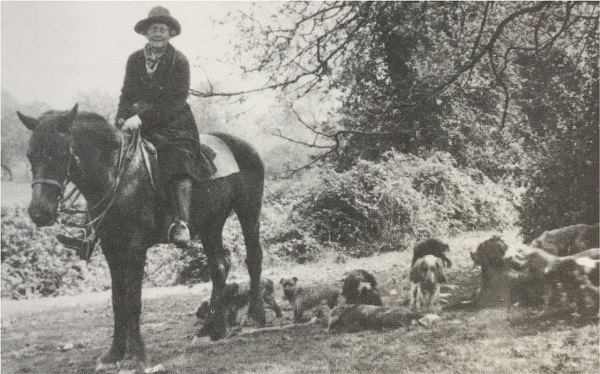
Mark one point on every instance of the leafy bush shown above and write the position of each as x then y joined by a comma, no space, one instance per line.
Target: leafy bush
563,191
384,206
35,264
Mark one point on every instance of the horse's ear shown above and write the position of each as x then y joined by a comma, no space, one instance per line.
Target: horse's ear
64,126
73,112
29,122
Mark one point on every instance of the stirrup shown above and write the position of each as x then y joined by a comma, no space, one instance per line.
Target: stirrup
179,234
83,247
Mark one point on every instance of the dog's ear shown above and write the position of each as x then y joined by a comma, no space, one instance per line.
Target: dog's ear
415,273
295,279
281,281
439,271
371,279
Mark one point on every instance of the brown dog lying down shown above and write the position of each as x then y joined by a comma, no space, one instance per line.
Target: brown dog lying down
578,276
302,298
426,276
499,287
353,318
360,287
236,297
568,240
433,247
551,269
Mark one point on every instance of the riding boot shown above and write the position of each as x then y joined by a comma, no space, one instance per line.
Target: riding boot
179,233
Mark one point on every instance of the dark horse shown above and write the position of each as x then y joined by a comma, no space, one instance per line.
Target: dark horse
107,166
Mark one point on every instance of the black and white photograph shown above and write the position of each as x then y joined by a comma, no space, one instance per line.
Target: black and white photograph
294,187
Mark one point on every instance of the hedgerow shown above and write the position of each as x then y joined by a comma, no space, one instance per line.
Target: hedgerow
35,264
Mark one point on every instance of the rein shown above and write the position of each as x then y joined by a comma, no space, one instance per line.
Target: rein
91,224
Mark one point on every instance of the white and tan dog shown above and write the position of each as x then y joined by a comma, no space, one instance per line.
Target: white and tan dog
426,276
552,270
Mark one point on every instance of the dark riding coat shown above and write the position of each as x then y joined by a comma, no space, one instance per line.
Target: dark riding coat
167,120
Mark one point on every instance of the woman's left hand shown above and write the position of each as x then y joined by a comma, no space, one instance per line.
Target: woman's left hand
132,124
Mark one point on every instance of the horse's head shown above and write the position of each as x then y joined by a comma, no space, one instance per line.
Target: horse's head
48,154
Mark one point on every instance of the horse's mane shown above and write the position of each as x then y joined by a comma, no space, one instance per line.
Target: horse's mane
92,128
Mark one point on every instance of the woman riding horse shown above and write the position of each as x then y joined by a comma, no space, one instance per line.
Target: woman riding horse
107,166
153,98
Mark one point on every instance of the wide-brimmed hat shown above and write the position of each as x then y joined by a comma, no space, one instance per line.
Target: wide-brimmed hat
158,14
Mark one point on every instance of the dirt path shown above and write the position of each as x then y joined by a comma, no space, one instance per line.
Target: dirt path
496,341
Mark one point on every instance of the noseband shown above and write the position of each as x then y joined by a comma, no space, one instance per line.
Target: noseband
52,182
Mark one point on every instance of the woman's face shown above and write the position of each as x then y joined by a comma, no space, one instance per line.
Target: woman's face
158,35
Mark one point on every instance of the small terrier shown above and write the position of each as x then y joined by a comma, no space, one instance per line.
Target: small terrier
302,298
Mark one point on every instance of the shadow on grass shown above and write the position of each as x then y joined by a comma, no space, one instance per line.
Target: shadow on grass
528,321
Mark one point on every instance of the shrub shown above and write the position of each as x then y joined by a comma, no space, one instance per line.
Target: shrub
35,264
385,206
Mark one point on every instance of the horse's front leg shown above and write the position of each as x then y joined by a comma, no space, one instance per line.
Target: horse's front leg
127,268
218,260
135,352
109,360
118,271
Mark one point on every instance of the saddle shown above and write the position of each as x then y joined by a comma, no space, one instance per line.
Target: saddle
207,167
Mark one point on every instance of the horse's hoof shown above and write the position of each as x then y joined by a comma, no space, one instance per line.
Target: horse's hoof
205,330
131,365
259,315
218,334
106,367
108,361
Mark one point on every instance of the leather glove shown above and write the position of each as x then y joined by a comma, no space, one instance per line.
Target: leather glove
132,124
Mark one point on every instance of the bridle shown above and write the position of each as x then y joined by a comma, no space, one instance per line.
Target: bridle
66,203
49,181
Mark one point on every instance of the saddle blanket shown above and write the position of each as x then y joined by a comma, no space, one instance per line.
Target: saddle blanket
224,160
